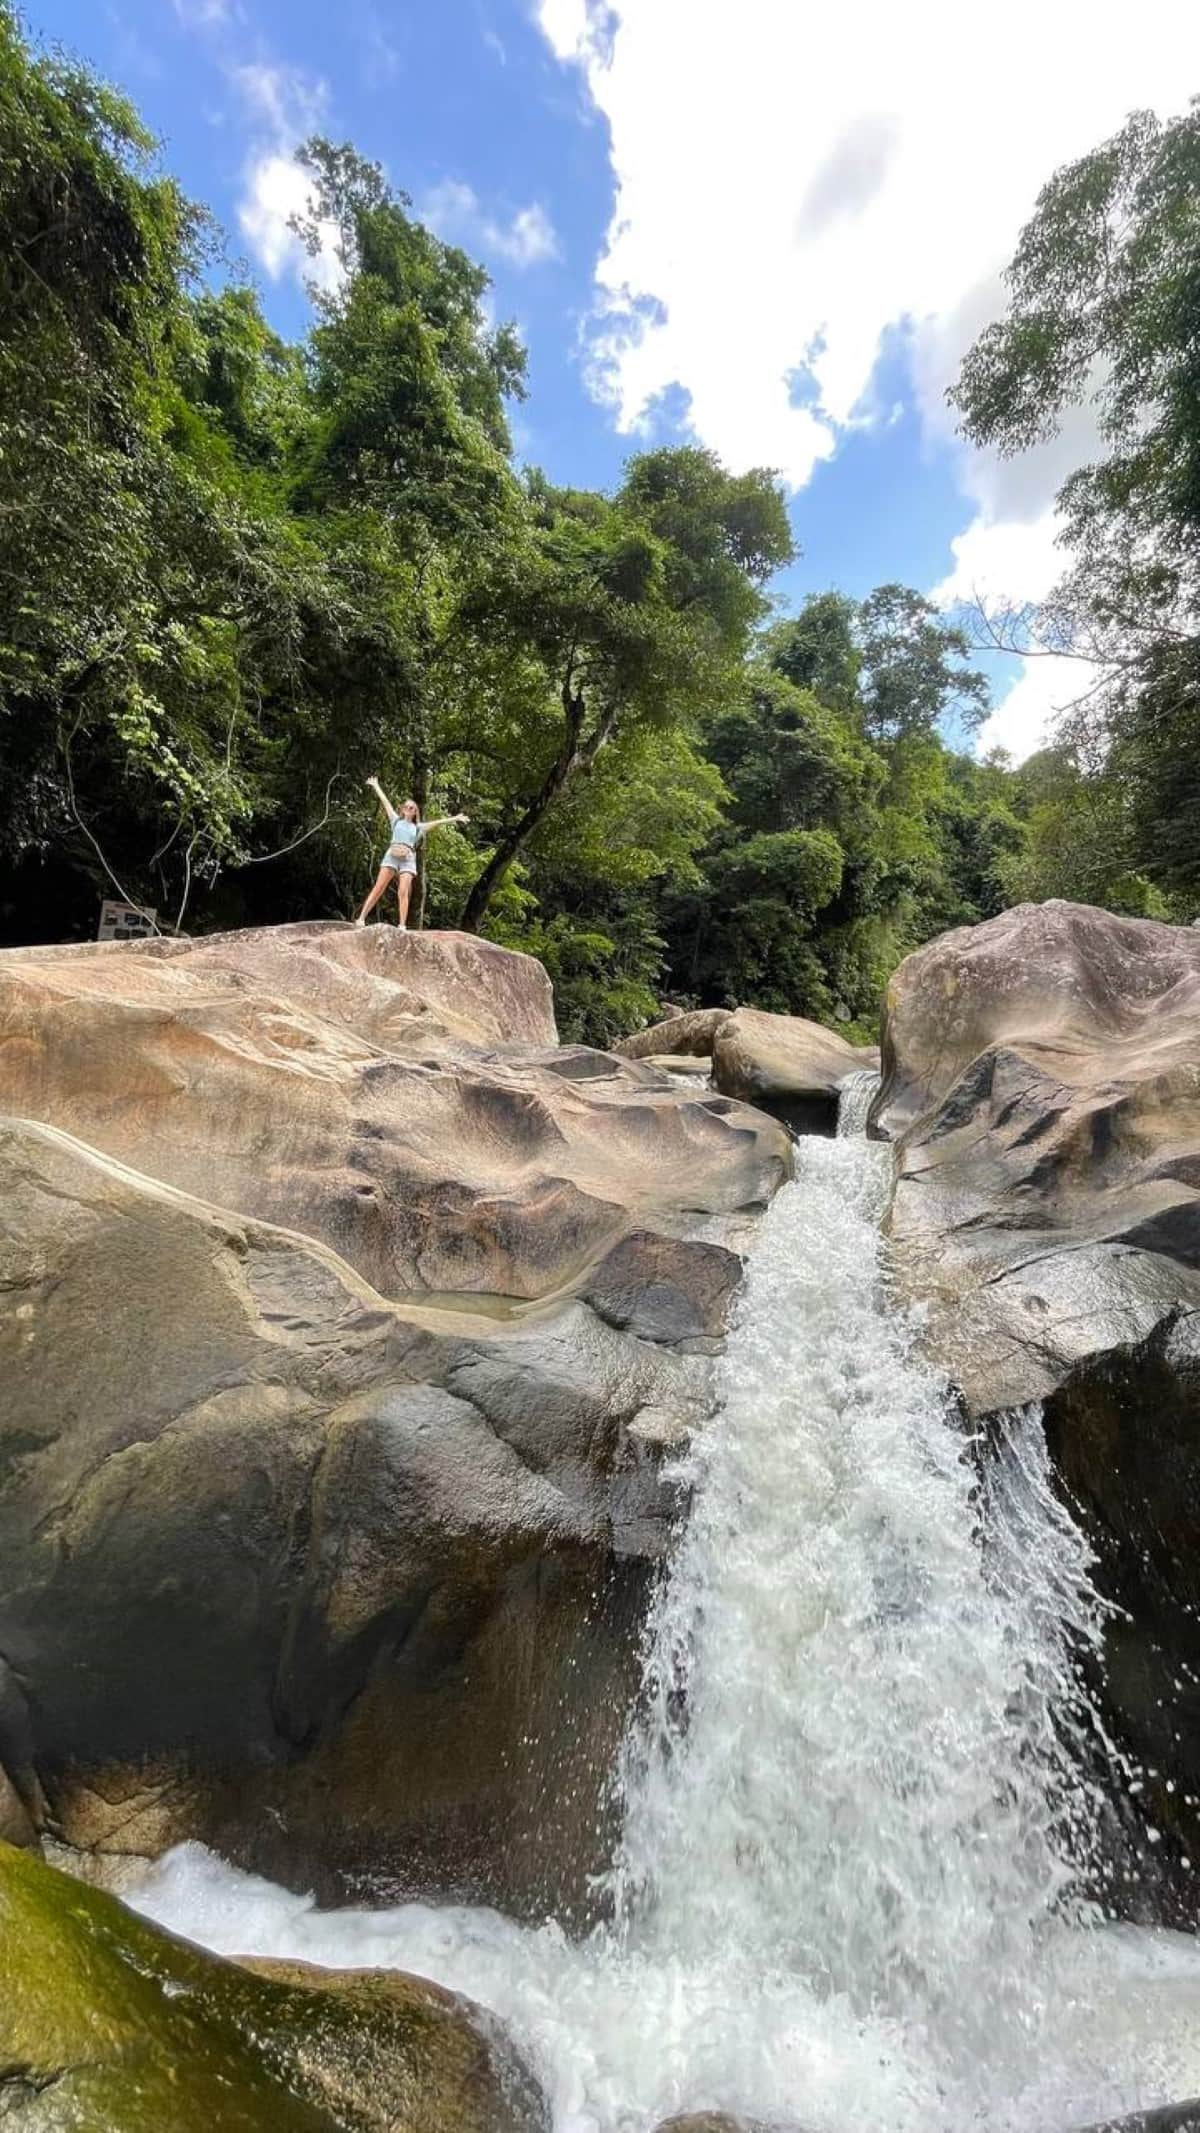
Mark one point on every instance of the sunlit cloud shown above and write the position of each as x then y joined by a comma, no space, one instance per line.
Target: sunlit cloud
793,186
284,106
526,238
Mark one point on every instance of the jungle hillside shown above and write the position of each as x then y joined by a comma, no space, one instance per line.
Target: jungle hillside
239,576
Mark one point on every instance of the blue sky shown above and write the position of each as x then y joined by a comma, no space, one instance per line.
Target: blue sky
442,92
761,225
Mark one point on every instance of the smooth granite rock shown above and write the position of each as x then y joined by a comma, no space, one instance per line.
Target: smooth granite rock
1042,1088
783,1064
344,1323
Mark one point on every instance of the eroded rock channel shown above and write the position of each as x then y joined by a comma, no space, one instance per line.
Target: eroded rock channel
390,1394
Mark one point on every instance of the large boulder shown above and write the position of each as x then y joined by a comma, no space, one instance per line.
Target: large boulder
1042,1086
782,1063
399,1097
1124,1431
687,1036
345,1579
788,1066
340,1586
108,2022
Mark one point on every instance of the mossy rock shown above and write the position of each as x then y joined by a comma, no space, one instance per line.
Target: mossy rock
110,2025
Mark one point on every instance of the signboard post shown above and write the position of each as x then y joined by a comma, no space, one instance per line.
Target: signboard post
124,922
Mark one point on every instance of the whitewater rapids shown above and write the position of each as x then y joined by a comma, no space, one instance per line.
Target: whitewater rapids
855,1818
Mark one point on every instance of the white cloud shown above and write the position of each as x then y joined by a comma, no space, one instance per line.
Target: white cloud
454,210
277,189
287,102
1024,720
203,14
793,184
568,24
529,238
1001,559
284,105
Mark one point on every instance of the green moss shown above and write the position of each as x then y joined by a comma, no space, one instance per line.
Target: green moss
108,2025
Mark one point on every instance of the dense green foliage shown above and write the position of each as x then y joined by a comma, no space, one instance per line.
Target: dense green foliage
239,576
1105,313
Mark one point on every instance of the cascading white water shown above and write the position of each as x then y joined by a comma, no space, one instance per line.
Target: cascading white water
855,1097
850,1767
844,1889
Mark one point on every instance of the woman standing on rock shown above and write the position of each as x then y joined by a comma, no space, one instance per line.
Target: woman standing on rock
399,862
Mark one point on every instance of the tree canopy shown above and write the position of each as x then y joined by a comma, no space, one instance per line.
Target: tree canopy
240,575
1104,303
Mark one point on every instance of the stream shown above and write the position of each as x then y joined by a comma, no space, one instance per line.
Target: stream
856,1822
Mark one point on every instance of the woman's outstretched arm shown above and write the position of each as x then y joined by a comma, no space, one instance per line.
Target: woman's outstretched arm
442,821
373,785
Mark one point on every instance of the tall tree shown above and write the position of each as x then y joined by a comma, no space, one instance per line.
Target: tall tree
152,604
638,609
913,667
1104,298
93,251
409,384
818,649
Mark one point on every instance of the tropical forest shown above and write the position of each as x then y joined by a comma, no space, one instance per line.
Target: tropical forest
242,575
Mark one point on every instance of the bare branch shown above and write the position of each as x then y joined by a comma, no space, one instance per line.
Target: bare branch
187,878
118,885
258,859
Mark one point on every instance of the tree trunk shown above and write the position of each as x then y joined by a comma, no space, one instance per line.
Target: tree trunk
421,796
419,745
420,793
574,754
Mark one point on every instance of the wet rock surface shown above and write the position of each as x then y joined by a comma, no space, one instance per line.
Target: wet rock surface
1124,1431
339,1589
108,2022
721,2122
1166,2118
1042,1088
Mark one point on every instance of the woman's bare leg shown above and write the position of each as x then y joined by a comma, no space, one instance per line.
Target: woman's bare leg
381,881
404,883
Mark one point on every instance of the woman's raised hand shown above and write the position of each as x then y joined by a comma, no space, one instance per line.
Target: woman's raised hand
462,818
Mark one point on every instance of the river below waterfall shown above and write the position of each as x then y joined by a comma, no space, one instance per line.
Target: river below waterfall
854,1807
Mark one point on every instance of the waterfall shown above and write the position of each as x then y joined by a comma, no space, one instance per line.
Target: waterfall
855,1097
846,1891
856,1746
